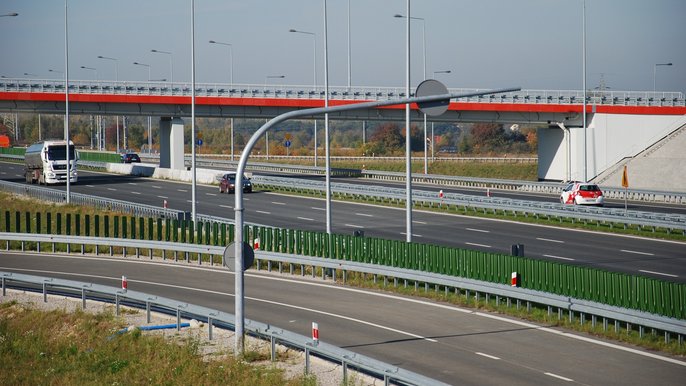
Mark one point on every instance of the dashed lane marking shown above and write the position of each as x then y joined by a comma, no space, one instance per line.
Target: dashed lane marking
479,245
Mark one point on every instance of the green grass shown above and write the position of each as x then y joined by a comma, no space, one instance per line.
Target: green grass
60,348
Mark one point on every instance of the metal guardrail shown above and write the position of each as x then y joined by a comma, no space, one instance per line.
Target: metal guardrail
562,303
632,217
366,93
54,195
456,181
348,359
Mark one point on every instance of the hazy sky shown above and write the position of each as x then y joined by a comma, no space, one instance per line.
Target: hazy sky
534,44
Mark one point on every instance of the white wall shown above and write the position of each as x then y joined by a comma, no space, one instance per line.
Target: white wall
610,138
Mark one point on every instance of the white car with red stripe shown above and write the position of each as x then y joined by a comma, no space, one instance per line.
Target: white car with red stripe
582,193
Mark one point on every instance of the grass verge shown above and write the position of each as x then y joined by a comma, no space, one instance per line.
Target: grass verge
62,348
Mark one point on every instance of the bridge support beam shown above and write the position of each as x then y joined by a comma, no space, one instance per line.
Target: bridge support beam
171,143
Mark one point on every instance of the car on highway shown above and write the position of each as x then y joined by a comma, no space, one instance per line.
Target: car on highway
582,193
128,158
227,183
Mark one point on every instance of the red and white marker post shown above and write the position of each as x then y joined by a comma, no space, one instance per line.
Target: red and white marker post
315,333
440,196
165,205
515,281
256,243
124,283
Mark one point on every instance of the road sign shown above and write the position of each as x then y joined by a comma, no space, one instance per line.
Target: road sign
287,136
431,87
287,143
230,256
200,142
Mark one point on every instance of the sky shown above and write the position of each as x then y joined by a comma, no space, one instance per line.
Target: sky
533,44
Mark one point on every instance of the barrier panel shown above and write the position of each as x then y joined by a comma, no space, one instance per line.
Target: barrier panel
612,288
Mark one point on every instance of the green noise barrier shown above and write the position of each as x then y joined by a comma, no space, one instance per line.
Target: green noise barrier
611,288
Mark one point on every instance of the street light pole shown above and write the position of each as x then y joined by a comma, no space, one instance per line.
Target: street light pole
408,148
327,149
426,164
171,63
95,70
583,55
655,71
116,78
314,70
230,80
66,95
149,118
433,138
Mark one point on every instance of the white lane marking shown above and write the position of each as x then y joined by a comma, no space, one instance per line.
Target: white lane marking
657,273
133,183
382,295
278,203
19,175
226,206
90,186
315,208
364,214
182,190
263,212
413,235
254,299
189,200
211,194
353,226
112,189
478,230
134,192
559,377
550,240
305,218
479,245
419,222
162,196
156,186
487,356
559,257
637,252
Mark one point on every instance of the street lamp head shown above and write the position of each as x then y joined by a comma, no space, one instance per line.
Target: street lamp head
213,42
398,15
11,14
153,50
292,30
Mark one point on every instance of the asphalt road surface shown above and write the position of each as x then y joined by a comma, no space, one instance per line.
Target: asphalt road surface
665,260
447,343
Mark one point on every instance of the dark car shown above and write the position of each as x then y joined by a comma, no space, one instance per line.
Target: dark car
130,158
227,184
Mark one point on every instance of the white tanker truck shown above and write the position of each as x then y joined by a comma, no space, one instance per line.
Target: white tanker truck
46,162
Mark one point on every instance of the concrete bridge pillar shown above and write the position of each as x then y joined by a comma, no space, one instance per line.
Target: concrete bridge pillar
171,143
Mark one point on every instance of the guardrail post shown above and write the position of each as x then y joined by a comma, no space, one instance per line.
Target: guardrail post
116,304
83,298
45,292
7,221
17,222
147,311
28,222
307,360
209,327
272,343
4,291
96,224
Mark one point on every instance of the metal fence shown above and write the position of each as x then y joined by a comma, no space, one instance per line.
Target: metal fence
389,374
360,93
612,288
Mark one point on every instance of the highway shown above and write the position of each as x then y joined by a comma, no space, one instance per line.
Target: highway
655,258
453,345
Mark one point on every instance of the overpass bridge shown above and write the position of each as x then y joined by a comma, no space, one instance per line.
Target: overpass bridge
620,124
